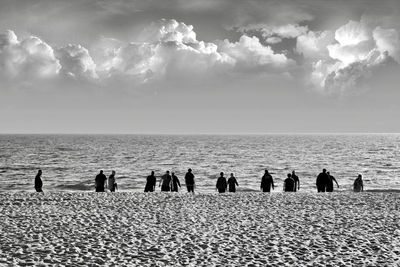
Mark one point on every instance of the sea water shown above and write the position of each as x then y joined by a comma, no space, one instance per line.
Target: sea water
71,162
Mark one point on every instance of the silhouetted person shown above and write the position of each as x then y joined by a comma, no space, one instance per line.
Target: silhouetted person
189,181
296,181
232,183
221,183
267,182
322,180
39,182
151,182
329,185
165,182
175,183
100,181
358,185
112,185
289,184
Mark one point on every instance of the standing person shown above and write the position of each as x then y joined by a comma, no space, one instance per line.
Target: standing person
221,183
39,182
189,180
112,185
232,183
358,185
329,185
165,182
322,180
151,182
296,181
289,185
175,183
100,181
267,182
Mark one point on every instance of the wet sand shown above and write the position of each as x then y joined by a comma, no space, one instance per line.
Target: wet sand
167,229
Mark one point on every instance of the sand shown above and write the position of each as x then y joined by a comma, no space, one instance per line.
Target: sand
169,229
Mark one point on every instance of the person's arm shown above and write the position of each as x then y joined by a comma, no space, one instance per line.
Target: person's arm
284,186
362,186
179,183
336,182
273,186
298,184
236,182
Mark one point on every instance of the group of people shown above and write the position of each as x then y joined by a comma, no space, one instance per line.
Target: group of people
170,182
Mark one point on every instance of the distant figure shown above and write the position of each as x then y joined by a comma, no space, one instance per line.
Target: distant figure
175,183
221,183
329,185
267,182
165,182
289,184
296,181
358,185
232,183
322,180
39,182
112,185
100,181
151,182
189,180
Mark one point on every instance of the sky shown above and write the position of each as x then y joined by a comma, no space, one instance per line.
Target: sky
198,67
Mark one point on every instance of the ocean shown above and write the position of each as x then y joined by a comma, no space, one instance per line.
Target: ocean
71,162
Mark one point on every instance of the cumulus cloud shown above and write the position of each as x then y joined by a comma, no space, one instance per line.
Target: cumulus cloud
76,62
30,57
168,31
345,64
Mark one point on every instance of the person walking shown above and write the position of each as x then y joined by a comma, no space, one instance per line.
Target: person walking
165,182
39,182
267,182
232,183
296,181
322,181
358,185
100,181
175,183
289,184
221,183
329,185
112,185
189,181
151,182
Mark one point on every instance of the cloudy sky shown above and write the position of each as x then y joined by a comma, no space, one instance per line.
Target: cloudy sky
210,66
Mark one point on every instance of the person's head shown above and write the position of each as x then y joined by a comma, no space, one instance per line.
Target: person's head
359,176
221,174
289,175
113,172
173,173
152,172
189,170
293,172
231,174
266,171
167,172
39,171
328,173
324,170
101,171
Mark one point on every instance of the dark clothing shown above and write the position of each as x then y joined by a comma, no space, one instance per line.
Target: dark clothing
296,182
358,185
288,185
232,183
267,182
329,185
38,183
150,183
322,180
166,181
221,184
189,181
99,182
175,184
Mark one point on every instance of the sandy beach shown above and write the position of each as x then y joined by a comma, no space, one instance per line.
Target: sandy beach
167,229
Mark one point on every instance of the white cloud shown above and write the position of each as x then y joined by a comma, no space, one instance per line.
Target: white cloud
28,58
168,31
387,40
76,62
314,44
